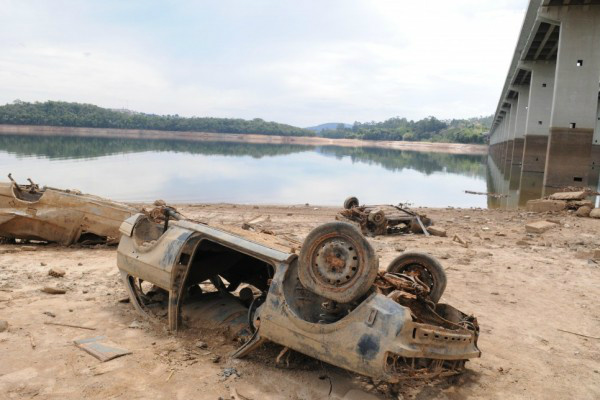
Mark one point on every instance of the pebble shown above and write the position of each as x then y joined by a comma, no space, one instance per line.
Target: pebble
135,325
54,290
201,345
56,272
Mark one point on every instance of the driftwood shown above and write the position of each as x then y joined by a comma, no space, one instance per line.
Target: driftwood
494,195
69,325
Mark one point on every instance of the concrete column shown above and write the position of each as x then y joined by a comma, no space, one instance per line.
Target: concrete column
575,103
519,139
595,167
512,122
538,117
498,142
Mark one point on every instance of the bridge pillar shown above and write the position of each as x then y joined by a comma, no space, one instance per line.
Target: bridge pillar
575,103
595,156
510,134
519,138
539,110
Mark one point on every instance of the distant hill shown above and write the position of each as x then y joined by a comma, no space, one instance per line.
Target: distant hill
430,129
60,113
329,125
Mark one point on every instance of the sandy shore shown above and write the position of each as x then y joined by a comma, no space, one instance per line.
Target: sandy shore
526,291
453,148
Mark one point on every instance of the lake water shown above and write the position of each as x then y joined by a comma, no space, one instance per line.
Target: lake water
209,172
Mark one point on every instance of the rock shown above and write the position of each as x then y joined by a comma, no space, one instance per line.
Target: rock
597,254
53,290
3,325
50,314
136,325
575,204
539,226
227,372
583,211
215,359
159,203
436,231
545,205
569,195
56,272
43,264
595,213
201,345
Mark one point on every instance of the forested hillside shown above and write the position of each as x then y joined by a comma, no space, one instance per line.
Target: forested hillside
428,129
59,113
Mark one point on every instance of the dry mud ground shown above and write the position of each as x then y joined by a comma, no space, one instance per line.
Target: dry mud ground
523,288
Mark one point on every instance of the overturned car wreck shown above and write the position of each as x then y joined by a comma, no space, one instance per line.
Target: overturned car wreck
384,219
329,302
29,212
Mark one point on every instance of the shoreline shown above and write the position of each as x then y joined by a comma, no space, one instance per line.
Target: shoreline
44,130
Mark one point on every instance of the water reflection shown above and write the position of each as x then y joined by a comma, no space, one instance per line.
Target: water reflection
189,171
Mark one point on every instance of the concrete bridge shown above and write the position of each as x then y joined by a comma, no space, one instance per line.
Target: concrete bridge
546,130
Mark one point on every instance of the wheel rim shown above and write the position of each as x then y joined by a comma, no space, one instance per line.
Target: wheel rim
335,262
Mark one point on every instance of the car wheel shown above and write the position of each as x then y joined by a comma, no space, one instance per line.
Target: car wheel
350,202
337,262
423,266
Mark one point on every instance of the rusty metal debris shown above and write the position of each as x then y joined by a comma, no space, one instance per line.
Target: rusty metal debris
385,219
29,212
101,348
388,326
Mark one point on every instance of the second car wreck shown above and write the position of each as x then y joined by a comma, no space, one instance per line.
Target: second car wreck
329,302
29,212
384,219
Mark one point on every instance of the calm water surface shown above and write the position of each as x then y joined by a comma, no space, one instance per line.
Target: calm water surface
180,171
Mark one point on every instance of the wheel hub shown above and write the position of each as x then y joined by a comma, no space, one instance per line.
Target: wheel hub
335,262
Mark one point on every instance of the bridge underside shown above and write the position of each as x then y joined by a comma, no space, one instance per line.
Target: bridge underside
548,118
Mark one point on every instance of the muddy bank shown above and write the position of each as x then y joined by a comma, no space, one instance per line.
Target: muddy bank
533,294
33,130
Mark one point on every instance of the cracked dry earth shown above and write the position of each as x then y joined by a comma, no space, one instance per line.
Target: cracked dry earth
534,295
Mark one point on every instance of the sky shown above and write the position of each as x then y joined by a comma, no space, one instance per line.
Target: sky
298,62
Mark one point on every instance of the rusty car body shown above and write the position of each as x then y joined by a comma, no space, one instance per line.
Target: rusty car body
63,216
384,219
389,328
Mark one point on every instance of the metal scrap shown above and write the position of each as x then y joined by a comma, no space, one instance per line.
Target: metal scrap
385,219
101,348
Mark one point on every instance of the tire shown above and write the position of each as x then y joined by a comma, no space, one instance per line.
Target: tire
426,268
337,262
350,202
